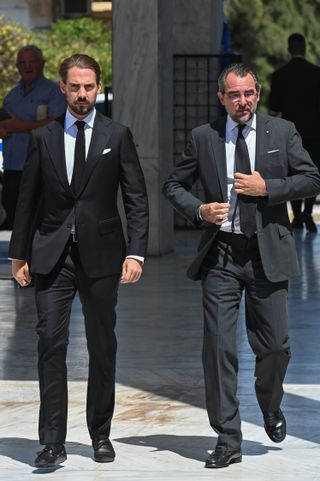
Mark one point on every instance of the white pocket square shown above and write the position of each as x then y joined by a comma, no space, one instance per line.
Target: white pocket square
273,151
106,151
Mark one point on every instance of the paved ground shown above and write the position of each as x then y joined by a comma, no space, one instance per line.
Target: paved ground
160,430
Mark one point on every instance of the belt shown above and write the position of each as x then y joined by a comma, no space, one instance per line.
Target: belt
232,238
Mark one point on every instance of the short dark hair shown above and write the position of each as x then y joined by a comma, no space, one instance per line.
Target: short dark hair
81,61
296,44
240,70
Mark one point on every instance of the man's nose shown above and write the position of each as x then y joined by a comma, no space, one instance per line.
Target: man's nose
82,92
242,99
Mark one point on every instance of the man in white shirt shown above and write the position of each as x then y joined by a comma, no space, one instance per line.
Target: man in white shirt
68,234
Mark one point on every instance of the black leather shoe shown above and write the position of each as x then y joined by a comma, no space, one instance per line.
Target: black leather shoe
275,426
222,459
52,455
308,220
103,451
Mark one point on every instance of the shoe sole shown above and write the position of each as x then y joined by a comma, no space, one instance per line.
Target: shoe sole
233,461
60,460
103,460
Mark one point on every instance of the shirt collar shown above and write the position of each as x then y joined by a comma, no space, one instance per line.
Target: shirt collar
34,84
71,119
231,124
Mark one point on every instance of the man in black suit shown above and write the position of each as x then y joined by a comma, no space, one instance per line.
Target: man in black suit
250,165
295,92
68,230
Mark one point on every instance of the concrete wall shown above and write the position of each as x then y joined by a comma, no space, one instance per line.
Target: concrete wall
142,98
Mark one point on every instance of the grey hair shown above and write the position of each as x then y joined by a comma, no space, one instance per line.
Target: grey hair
33,48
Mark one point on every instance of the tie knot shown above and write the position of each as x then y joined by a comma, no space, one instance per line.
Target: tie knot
80,124
241,128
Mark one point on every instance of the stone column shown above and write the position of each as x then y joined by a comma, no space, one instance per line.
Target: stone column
142,99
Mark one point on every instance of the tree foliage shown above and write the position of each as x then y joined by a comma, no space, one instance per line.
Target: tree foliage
67,37
64,38
11,35
260,29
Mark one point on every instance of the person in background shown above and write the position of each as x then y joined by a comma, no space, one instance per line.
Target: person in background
250,165
295,93
34,102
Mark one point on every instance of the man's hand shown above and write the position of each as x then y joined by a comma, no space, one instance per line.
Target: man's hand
20,271
18,125
3,133
252,184
131,271
215,212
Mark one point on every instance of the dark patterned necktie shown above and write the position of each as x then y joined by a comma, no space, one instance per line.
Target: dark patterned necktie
79,158
247,203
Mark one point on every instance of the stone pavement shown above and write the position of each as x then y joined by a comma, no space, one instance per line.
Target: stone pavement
160,430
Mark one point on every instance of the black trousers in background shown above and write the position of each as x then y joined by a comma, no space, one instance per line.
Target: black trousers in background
54,295
10,192
232,266
313,148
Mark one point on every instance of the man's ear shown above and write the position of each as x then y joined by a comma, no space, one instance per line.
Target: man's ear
220,97
62,86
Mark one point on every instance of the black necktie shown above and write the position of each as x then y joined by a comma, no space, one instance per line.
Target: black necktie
247,203
79,157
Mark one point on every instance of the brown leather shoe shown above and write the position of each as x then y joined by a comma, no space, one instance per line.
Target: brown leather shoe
103,451
275,426
222,458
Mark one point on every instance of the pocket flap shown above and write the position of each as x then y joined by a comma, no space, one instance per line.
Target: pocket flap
109,225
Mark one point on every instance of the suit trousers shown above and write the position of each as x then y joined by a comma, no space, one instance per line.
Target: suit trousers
313,148
233,265
54,295
10,194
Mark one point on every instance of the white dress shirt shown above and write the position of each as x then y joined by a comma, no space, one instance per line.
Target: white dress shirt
249,133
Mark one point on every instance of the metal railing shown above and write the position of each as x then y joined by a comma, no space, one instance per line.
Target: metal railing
195,101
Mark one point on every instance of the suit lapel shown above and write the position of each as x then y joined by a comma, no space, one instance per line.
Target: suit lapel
262,141
101,134
217,140
55,146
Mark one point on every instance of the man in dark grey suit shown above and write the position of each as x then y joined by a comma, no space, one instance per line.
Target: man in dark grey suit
68,234
250,165
295,93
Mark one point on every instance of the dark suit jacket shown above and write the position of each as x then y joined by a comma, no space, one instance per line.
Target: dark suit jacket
284,164
101,242
295,93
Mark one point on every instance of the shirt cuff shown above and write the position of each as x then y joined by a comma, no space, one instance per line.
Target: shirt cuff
198,218
138,258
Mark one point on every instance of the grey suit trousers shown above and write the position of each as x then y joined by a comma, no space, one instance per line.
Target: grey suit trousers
233,265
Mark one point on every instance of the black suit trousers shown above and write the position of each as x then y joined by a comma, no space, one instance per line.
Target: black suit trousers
54,295
233,265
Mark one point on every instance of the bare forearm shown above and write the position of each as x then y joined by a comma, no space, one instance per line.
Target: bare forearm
19,125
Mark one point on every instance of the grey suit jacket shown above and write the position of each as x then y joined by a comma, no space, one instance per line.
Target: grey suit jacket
280,159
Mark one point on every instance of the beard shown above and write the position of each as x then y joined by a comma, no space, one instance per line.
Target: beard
82,109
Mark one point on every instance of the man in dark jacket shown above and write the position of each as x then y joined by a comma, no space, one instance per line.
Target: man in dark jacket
295,93
68,233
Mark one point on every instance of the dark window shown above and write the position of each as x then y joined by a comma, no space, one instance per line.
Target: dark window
75,6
